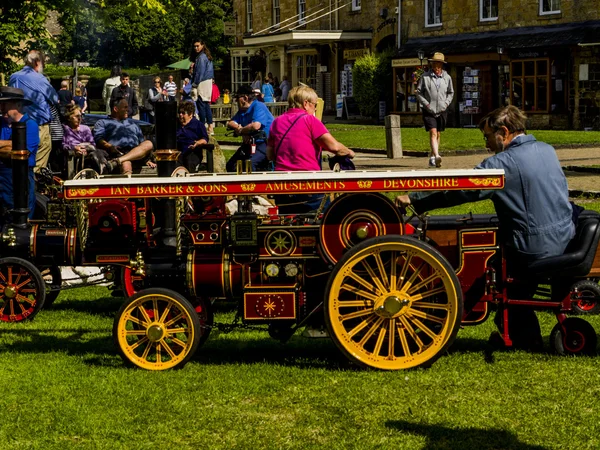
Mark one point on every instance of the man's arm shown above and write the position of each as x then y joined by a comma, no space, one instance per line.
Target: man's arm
5,149
419,93
449,92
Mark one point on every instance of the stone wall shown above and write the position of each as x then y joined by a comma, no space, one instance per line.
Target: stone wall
584,95
462,16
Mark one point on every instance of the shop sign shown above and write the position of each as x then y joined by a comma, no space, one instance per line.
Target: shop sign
229,28
356,53
384,29
406,62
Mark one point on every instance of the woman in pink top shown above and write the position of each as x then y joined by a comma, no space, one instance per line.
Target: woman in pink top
296,140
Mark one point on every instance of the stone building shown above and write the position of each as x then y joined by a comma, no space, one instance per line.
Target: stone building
540,55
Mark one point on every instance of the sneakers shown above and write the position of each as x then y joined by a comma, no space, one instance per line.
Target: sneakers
435,161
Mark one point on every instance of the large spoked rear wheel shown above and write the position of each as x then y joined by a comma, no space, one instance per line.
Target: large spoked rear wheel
393,302
22,290
157,329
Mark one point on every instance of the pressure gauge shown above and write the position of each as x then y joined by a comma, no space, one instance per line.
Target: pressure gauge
272,270
291,270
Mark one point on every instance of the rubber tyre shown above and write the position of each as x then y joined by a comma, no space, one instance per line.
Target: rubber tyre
590,304
23,290
363,308
141,330
580,339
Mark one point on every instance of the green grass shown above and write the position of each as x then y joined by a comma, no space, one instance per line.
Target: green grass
416,139
65,387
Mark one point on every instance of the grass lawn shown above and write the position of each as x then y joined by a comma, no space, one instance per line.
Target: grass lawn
416,139
65,387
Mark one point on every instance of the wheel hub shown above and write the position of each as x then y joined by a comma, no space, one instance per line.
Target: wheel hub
392,306
155,332
10,292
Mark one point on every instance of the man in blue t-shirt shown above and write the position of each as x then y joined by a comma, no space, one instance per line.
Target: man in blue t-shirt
121,139
12,102
253,122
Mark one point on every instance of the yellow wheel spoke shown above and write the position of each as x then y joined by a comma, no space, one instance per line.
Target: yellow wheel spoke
381,268
172,331
168,350
140,342
424,328
356,304
413,278
135,332
403,341
165,313
404,271
427,294
133,319
412,333
355,314
144,314
371,331
173,320
423,283
380,287
379,342
392,327
359,327
155,308
25,299
158,353
360,280
359,292
430,305
178,342
393,271
147,351
424,315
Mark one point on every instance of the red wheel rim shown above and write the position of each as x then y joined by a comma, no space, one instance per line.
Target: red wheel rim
574,341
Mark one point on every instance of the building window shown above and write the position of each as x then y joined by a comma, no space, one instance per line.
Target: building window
301,11
276,13
240,72
355,5
488,10
530,84
433,13
406,83
549,7
306,70
249,15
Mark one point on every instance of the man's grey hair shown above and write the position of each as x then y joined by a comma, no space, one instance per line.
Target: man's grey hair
35,56
64,84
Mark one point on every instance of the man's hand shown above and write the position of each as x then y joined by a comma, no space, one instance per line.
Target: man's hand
402,201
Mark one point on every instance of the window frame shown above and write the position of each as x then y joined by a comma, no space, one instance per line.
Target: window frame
434,2
249,18
356,5
276,13
303,72
409,86
301,12
545,13
535,77
487,19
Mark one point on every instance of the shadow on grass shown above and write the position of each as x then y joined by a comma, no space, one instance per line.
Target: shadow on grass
104,306
439,437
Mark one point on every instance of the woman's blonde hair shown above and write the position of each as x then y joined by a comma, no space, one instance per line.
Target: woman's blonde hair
72,110
299,95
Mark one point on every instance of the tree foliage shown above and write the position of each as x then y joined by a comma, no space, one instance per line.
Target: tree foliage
140,33
371,78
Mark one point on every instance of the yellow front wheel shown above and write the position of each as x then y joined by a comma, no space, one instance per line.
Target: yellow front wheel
157,329
393,302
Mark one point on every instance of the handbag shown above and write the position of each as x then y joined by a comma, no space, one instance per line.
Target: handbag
344,162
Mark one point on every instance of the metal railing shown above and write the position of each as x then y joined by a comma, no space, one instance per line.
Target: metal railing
222,113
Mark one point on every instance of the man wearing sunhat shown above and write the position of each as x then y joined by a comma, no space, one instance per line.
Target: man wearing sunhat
435,93
252,122
12,102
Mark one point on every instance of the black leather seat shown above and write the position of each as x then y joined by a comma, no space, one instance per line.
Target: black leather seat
579,254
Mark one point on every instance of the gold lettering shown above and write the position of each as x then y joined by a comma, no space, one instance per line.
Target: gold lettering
411,184
454,182
189,189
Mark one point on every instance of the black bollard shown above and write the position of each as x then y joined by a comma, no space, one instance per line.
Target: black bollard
20,174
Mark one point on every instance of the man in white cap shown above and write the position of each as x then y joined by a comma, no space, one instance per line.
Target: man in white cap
435,93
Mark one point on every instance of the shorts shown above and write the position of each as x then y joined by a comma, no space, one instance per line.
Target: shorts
432,121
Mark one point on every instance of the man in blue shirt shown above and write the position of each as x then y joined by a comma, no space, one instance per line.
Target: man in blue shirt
121,139
12,102
38,90
253,122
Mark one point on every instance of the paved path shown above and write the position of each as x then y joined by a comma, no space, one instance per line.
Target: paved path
568,157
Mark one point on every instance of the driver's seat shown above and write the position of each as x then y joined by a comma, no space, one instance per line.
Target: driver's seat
579,255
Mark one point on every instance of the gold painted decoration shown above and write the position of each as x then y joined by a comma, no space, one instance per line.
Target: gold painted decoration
486,181
280,243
